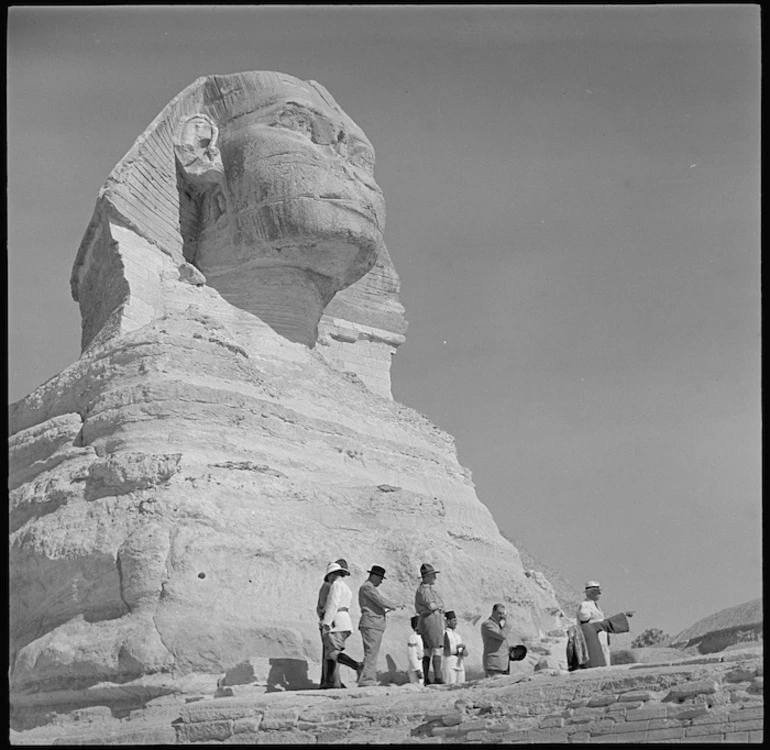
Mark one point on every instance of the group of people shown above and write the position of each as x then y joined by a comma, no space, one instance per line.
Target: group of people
433,643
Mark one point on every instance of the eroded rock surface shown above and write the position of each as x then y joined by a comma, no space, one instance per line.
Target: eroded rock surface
177,492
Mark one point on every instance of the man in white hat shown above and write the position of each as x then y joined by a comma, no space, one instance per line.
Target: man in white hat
336,624
589,612
327,680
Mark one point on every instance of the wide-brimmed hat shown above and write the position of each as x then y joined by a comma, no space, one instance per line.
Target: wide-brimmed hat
450,615
426,568
517,653
333,567
377,571
593,585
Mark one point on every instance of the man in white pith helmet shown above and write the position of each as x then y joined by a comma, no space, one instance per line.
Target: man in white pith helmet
336,624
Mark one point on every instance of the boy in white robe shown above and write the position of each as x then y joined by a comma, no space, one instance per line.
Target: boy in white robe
453,664
414,653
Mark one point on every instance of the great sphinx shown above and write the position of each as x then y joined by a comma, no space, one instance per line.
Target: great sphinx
228,429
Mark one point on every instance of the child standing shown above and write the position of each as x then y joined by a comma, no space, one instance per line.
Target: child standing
454,652
414,650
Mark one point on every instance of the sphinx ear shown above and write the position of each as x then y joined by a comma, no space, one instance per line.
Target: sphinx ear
197,154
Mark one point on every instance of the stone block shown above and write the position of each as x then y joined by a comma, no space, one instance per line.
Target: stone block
662,723
689,689
469,726
740,675
674,733
635,696
551,722
206,711
602,727
699,731
743,697
742,737
477,734
439,731
452,720
757,685
548,735
204,731
601,700
280,718
520,735
750,725
690,713
331,735
709,718
648,712
623,728
248,724
757,736
579,737
580,719
579,703
744,714
702,740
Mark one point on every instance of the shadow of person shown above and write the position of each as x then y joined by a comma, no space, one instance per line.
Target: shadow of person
288,674
393,675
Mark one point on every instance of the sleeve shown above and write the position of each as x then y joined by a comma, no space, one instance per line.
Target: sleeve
375,596
332,603
413,656
492,632
322,594
617,624
584,612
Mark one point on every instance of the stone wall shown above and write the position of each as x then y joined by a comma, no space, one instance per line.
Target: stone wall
707,699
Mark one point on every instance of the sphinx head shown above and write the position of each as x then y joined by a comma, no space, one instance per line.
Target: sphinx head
277,199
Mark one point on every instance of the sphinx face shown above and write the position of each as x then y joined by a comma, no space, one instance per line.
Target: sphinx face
298,192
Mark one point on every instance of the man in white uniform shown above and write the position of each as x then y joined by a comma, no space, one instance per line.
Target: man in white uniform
336,624
453,663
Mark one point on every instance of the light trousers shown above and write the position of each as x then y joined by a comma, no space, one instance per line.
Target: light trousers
372,640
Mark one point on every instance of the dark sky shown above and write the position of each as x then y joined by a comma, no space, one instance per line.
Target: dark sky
573,208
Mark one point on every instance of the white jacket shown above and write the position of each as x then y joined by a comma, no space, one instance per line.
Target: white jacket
337,612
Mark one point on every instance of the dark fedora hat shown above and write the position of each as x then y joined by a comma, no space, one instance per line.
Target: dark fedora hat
427,568
377,571
450,615
517,653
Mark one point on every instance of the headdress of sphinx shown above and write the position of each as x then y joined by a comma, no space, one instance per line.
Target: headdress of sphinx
261,182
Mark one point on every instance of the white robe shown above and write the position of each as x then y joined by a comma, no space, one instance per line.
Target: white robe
452,665
414,654
590,611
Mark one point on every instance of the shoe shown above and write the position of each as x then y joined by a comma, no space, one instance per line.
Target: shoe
438,681
359,671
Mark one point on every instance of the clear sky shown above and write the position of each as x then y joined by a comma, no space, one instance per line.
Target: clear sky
573,207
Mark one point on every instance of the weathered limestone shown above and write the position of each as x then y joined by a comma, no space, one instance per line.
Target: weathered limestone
227,430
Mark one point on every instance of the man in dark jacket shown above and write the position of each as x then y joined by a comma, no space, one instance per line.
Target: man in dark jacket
494,634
